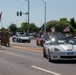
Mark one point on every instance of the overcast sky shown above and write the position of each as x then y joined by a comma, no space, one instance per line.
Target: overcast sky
55,9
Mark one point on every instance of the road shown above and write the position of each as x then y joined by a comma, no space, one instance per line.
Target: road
27,59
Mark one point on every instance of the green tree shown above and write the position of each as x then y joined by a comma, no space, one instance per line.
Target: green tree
24,27
50,24
2,29
13,27
73,23
19,29
62,23
33,28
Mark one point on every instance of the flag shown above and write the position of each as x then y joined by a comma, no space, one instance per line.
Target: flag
0,16
41,28
53,29
67,29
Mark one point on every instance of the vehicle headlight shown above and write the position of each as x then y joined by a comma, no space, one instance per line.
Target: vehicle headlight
55,49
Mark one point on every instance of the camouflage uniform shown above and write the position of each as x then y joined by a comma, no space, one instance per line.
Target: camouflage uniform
7,38
2,37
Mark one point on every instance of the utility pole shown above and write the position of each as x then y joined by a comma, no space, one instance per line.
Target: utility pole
44,17
28,15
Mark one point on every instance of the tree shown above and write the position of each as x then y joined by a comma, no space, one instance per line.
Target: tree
2,29
62,23
24,26
13,27
50,24
19,29
59,25
33,28
73,23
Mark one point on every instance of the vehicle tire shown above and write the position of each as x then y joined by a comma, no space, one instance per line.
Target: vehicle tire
44,54
13,40
28,41
49,56
17,40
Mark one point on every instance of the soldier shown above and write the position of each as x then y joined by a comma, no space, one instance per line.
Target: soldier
2,37
7,38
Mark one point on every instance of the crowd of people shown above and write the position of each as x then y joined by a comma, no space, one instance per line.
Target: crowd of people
5,38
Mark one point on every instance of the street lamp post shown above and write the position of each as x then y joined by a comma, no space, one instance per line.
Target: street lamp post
28,15
44,16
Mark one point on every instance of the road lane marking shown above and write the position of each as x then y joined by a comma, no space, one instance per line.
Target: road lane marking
27,48
54,73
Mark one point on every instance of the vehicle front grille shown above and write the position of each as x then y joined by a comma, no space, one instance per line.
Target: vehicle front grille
68,56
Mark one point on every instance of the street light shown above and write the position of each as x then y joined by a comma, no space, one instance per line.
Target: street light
28,15
44,16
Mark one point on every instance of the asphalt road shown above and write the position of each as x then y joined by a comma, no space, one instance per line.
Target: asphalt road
27,59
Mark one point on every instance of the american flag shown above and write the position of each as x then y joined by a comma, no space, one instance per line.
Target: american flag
67,29
53,29
0,16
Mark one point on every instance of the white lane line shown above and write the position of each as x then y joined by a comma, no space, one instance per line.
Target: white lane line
54,73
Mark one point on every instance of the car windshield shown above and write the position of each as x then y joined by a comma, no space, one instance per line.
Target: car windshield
22,35
71,41
63,41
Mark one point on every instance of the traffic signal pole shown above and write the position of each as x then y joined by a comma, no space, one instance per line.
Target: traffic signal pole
20,13
28,17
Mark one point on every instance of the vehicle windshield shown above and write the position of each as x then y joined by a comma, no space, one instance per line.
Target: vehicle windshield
63,41
22,35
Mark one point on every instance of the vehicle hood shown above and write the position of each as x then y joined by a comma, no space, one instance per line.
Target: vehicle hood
65,47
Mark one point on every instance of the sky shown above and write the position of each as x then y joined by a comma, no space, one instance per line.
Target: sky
55,9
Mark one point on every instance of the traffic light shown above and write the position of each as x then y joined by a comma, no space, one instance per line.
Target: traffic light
17,13
20,13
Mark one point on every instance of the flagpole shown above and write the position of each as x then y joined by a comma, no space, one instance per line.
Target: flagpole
44,16
1,18
1,23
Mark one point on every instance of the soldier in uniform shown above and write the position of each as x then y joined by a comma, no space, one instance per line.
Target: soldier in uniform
2,37
7,38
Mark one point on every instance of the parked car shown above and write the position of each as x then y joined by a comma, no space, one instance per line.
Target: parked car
21,37
60,49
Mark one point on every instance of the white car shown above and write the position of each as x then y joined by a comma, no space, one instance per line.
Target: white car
60,49
21,37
